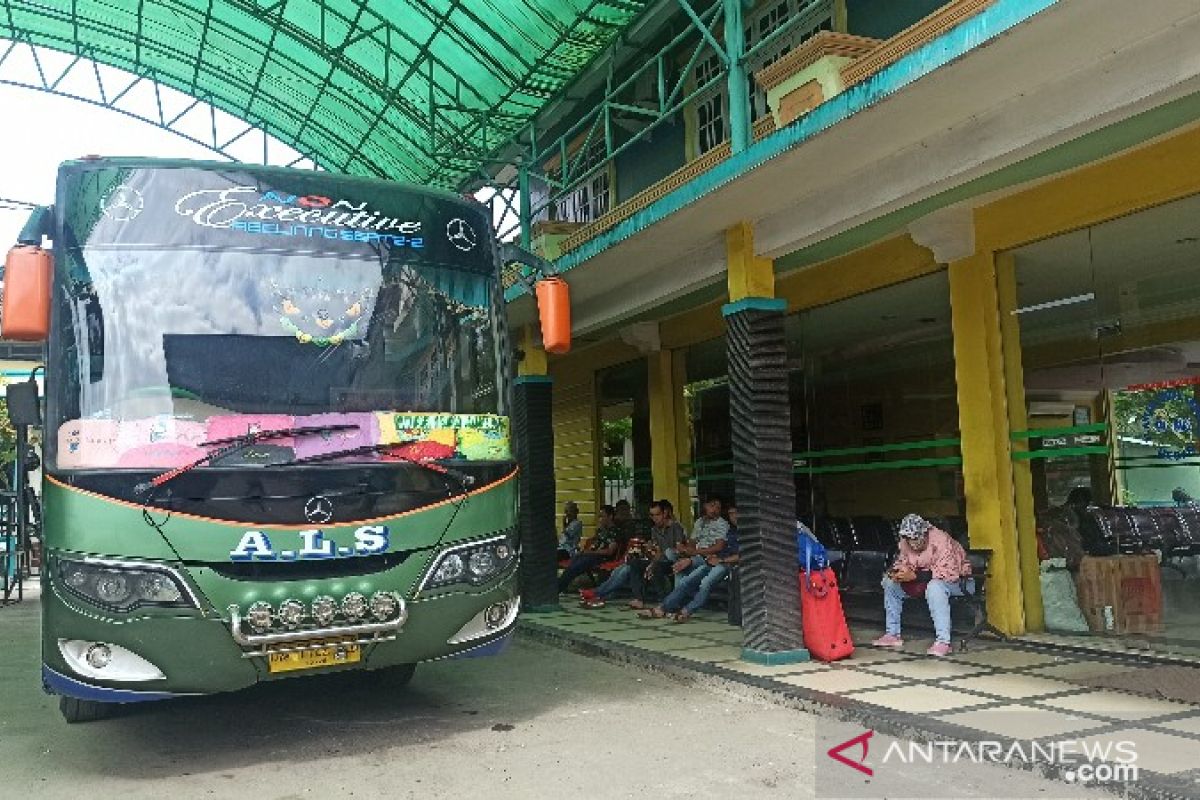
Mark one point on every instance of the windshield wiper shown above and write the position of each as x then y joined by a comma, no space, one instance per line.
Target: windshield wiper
280,433
463,478
232,445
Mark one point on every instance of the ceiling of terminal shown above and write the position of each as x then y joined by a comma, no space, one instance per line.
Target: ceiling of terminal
414,90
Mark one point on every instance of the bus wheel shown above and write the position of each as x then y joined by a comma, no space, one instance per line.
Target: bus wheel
75,710
395,677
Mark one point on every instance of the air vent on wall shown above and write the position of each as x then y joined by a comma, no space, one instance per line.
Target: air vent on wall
1041,408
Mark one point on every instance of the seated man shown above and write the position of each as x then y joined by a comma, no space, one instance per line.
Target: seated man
655,558
607,542
708,537
697,584
572,530
707,566
930,562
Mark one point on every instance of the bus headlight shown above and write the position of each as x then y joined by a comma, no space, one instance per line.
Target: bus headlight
124,585
473,563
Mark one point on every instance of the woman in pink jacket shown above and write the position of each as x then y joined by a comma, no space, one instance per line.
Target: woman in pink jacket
929,557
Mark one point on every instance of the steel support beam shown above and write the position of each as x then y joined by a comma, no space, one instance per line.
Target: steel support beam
740,134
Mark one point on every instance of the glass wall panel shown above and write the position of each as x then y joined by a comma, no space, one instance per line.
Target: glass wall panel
874,418
1109,320
707,395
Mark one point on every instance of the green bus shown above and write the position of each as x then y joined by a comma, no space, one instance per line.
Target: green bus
276,431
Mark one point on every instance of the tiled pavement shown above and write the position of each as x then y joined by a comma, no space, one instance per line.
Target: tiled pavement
994,690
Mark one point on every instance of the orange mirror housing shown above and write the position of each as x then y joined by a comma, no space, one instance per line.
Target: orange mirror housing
25,311
554,308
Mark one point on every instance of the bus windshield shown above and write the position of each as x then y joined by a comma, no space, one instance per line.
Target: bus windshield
164,349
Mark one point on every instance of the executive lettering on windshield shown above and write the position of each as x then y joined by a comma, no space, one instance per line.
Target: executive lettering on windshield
225,208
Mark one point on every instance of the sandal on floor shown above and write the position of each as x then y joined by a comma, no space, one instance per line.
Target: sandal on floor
652,613
682,616
636,605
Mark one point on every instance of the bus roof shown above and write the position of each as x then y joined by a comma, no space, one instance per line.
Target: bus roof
135,162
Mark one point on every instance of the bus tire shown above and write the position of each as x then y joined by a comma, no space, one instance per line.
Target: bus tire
75,710
396,677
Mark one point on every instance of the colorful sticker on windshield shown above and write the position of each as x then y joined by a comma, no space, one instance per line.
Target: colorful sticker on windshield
322,315
164,441
477,437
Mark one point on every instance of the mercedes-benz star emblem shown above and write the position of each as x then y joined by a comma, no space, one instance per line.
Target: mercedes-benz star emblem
318,510
460,234
122,203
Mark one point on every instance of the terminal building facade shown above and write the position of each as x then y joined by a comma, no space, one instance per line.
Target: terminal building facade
870,258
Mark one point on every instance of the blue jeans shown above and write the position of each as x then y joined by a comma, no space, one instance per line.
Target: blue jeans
624,573
579,565
618,578
937,595
699,579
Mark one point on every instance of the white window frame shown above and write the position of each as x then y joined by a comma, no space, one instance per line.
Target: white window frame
591,199
759,23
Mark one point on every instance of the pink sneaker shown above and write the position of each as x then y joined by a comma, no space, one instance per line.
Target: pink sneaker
940,649
587,594
888,640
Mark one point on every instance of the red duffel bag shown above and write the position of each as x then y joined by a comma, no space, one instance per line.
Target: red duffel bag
826,634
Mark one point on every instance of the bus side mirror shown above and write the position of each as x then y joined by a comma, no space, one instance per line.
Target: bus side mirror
25,311
554,309
23,405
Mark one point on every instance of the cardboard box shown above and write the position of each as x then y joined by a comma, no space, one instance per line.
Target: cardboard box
1130,585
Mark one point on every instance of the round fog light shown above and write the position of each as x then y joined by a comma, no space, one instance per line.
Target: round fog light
323,609
98,656
291,612
259,615
354,606
383,605
495,614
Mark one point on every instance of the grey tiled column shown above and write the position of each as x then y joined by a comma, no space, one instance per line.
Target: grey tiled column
766,489
533,443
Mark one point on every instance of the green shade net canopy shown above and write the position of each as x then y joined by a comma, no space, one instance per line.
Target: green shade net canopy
416,91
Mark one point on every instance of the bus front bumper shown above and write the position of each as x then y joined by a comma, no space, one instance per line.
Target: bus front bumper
196,653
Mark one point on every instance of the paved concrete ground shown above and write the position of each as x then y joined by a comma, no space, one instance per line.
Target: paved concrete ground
1002,694
536,722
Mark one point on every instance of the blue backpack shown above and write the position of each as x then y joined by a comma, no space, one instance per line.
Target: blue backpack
810,553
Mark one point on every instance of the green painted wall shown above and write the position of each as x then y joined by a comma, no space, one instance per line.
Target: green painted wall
651,159
881,19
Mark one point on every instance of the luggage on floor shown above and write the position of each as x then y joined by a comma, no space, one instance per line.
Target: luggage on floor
1121,594
1060,604
826,634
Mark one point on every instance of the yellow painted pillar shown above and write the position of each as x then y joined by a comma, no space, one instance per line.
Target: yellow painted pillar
664,428
1014,381
534,362
983,425
749,275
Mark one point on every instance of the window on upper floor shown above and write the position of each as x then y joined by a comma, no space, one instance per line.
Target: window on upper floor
711,107
589,199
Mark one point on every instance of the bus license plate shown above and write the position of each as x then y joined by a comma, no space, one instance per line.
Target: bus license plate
333,654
